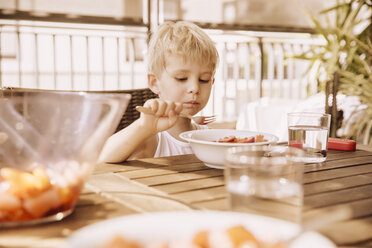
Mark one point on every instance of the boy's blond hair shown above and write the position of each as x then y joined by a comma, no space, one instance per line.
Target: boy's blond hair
181,38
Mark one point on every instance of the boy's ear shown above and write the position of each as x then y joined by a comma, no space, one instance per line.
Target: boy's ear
153,83
213,80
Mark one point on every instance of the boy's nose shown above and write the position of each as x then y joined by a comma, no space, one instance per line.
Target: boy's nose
193,86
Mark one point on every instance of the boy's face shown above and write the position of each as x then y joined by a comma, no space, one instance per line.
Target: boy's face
189,82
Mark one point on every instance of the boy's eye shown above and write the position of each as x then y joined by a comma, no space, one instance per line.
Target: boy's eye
204,80
181,79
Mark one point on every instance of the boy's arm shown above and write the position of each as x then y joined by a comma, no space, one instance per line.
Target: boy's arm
123,143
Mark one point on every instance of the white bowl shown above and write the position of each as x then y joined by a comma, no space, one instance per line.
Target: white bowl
203,143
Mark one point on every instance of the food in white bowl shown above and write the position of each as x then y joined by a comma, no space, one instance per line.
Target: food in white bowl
204,143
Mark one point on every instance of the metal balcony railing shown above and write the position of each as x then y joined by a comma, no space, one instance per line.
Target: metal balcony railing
49,55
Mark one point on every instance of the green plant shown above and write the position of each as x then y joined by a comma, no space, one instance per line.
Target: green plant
345,59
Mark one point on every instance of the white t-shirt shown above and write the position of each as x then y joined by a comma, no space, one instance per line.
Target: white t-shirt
169,146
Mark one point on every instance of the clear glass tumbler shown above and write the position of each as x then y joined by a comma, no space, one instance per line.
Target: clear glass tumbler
309,132
265,180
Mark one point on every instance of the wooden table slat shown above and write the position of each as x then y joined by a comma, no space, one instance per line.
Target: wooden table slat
337,184
150,172
165,179
339,197
185,186
337,173
203,194
337,164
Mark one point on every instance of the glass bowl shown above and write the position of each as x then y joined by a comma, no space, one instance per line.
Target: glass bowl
49,144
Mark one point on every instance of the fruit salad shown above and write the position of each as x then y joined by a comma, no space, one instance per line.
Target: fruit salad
39,192
233,139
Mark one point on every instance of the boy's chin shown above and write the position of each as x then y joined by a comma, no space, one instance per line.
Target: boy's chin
190,111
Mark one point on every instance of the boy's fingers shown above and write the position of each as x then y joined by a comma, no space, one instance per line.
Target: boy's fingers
164,108
172,117
179,107
153,104
170,106
161,109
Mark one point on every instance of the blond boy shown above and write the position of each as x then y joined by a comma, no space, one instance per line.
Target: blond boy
182,62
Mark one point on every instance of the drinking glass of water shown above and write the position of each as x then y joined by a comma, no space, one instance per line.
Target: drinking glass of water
309,132
265,180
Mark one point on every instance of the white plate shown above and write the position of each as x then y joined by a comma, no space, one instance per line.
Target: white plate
210,136
183,225
203,143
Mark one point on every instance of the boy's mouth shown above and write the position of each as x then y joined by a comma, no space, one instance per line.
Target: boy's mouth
191,104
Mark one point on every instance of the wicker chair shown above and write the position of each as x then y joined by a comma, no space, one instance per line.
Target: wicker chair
139,97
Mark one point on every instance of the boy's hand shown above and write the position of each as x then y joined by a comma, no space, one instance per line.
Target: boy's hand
166,114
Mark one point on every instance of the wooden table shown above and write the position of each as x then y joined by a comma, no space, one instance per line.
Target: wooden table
184,183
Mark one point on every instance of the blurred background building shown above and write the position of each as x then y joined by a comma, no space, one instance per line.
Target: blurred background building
101,45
